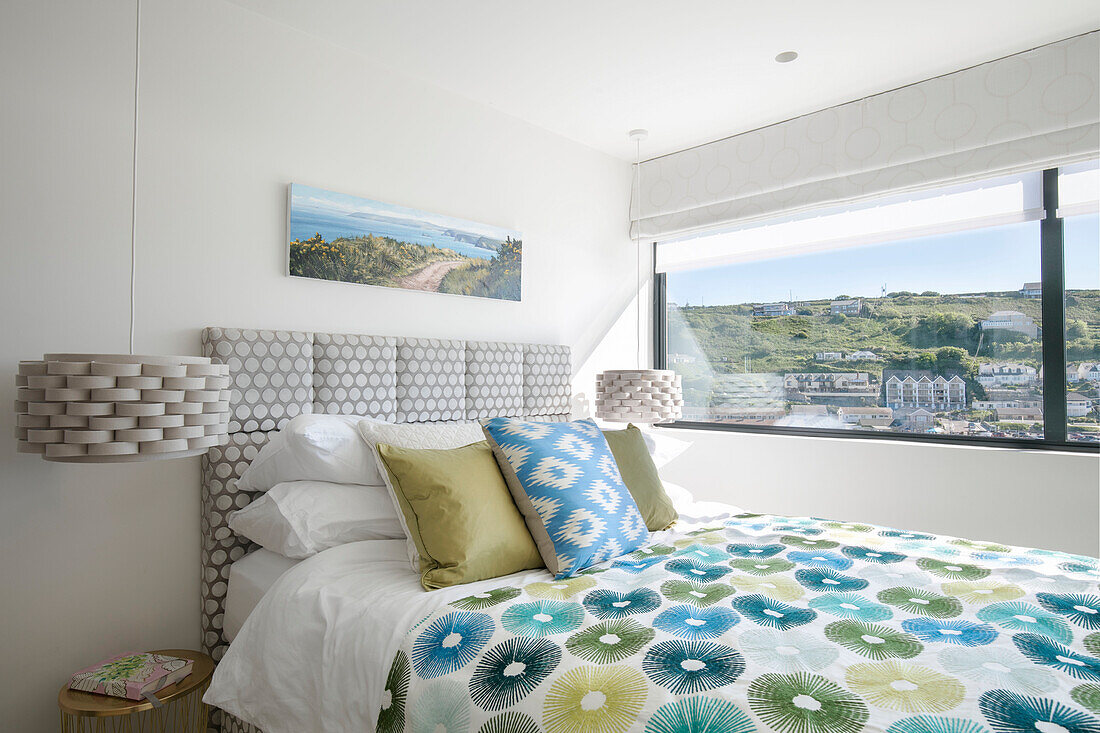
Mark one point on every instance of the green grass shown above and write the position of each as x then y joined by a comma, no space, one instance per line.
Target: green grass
367,260
495,278
905,330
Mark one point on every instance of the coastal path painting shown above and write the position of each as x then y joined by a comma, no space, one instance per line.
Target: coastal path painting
333,236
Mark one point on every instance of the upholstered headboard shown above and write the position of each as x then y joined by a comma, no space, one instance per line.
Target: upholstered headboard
277,375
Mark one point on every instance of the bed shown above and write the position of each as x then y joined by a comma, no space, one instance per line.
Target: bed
249,579
279,374
737,623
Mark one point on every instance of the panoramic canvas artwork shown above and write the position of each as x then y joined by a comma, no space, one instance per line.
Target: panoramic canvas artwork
334,236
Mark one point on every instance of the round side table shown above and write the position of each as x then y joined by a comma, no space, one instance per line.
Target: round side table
182,709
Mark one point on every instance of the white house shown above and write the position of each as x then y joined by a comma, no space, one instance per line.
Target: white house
819,382
1032,290
1077,405
846,307
1020,414
938,393
997,375
863,356
773,310
750,414
828,356
1011,321
1083,372
1003,404
867,417
919,420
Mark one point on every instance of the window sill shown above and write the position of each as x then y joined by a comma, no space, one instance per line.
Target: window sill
908,438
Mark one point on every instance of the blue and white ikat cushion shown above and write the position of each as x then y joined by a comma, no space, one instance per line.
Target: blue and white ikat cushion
567,485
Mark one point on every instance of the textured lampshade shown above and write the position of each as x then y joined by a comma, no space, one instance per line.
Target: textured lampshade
639,395
103,408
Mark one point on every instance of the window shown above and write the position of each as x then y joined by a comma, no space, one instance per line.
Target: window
1078,192
918,316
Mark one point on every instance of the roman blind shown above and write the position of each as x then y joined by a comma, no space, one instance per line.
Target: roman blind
1036,109
1079,189
972,205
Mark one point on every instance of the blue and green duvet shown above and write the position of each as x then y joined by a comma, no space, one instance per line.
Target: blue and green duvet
795,625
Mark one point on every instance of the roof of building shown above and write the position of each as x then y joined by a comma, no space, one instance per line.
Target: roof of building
993,368
865,410
1076,397
851,301
1032,286
1005,314
940,379
1021,411
747,410
903,373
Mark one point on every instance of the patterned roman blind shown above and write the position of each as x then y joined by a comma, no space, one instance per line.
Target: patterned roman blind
1036,109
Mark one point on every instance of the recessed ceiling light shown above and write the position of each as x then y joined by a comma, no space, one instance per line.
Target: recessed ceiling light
786,57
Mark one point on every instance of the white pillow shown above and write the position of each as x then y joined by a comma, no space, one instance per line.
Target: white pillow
697,512
314,448
681,497
424,436
297,519
663,448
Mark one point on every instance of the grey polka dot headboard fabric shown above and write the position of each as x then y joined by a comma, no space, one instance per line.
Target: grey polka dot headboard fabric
277,375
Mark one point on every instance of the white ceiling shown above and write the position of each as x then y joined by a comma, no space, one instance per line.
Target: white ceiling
690,72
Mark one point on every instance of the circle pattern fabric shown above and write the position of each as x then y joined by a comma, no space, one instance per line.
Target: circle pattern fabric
221,467
494,379
277,375
271,373
431,382
229,723
547,383
355,375
645,649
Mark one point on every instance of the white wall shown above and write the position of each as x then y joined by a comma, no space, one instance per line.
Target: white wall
1028,498
99,559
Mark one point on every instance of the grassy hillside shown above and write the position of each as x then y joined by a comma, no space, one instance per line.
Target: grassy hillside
906,330
369,260
495,278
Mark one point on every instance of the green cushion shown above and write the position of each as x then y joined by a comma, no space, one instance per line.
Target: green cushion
640,476
459,513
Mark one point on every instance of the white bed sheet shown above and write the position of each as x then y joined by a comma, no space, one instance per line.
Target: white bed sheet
314,653
249,579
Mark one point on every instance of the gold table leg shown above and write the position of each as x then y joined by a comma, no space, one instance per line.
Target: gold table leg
185,714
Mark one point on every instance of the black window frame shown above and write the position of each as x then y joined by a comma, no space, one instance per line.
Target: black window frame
1052,276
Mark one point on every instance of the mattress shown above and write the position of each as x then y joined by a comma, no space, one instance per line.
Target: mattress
249,579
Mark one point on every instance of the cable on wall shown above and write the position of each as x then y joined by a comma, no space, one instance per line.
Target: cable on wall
637,136
133,173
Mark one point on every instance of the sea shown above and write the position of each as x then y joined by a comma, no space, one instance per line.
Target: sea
305,224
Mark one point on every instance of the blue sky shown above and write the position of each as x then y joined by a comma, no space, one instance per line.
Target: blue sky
1001,258
343,204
